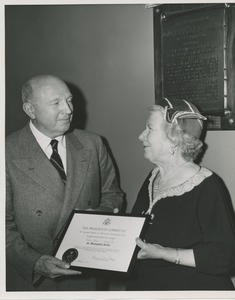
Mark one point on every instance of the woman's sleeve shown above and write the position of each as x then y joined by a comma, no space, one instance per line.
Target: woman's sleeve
216,254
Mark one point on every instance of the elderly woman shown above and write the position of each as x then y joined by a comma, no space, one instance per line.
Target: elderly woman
189,243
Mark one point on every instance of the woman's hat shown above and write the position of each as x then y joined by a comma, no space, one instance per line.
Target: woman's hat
185,114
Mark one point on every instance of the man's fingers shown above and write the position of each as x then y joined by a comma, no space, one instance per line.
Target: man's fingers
52,267
67,272
61,264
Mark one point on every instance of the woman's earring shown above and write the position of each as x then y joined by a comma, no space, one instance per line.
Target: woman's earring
172,150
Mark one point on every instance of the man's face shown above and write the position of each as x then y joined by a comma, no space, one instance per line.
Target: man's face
53,109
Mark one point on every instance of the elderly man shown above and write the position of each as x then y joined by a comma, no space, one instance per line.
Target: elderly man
49,172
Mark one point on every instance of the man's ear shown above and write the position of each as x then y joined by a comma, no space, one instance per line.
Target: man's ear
29,110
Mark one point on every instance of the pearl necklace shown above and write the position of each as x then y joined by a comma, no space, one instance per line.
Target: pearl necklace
155,172
156,186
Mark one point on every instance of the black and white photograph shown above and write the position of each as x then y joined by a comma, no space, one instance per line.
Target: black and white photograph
117,150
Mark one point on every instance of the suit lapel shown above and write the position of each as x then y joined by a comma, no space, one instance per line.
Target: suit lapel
78,160
33,162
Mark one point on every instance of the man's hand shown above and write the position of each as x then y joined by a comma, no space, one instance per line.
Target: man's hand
51,267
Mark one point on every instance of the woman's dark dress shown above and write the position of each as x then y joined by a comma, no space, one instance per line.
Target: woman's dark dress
197,219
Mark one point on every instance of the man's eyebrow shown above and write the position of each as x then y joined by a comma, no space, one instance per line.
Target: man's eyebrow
54,99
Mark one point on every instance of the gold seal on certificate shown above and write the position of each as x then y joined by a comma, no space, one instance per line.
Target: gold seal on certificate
101,241
70,255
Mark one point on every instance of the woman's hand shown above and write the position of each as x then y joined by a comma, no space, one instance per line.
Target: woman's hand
148,251
155,251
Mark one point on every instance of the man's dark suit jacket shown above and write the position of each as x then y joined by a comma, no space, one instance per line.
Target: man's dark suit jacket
38,204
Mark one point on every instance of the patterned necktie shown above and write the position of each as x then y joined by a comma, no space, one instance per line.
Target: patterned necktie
56,160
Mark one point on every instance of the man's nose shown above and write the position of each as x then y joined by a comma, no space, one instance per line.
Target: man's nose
67,107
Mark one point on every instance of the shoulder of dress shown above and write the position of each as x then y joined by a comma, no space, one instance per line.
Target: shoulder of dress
191,183
188,185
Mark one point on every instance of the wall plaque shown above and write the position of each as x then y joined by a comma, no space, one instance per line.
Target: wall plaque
194,58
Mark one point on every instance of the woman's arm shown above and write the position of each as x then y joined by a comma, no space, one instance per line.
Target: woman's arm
183,257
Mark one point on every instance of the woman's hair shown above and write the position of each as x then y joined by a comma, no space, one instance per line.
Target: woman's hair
190,146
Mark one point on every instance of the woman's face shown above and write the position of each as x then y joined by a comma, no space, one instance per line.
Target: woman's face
156,144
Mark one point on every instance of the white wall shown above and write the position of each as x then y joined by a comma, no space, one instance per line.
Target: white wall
220,157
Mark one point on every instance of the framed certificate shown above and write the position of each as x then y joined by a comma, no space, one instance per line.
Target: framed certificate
101,241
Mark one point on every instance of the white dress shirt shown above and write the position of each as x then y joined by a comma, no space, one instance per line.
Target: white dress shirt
44,142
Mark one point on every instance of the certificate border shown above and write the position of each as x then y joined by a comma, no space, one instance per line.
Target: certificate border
134,255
